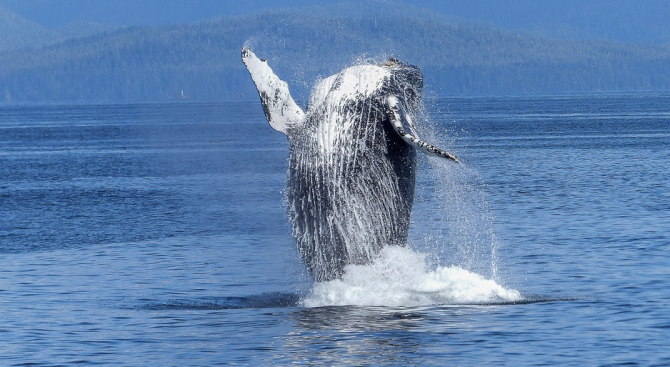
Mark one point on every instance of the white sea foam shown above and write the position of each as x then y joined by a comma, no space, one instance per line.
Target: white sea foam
400,277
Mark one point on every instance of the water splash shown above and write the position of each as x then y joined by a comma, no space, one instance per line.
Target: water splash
400,276
452,220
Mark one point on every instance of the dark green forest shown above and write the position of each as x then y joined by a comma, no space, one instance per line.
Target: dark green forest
203,59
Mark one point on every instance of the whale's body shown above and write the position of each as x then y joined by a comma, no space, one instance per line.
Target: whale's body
352,160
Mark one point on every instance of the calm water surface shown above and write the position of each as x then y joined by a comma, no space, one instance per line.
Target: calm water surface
155,234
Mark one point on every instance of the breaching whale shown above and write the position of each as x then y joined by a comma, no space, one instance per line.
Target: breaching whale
352,159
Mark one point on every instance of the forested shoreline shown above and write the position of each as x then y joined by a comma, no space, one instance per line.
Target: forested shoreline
203,59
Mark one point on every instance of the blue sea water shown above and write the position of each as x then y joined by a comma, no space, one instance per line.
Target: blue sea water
155,234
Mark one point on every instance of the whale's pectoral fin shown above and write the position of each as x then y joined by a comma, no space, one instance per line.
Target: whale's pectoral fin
403,126
280,109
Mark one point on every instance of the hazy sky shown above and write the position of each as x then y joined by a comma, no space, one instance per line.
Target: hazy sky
56,13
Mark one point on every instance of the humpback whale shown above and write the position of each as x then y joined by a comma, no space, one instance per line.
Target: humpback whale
352,159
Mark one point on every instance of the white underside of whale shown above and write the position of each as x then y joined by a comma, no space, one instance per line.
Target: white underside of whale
280,109
356,82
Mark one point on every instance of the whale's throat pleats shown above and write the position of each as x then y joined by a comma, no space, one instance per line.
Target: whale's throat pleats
350,186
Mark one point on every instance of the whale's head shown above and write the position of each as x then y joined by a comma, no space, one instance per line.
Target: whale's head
405,81
372,82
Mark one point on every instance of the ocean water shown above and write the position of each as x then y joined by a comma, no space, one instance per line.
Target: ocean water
155,234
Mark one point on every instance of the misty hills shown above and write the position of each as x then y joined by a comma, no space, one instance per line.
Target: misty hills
203,59
18,33
626,21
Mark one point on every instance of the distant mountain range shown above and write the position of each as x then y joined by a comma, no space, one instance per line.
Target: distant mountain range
203,59
18,33
626,21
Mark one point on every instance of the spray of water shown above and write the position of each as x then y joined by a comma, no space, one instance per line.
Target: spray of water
400,277
460,227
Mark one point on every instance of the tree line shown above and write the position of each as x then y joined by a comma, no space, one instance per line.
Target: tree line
203,59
